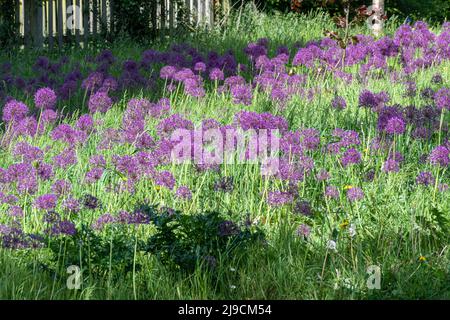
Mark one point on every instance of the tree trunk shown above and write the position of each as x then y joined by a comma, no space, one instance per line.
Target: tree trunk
377,18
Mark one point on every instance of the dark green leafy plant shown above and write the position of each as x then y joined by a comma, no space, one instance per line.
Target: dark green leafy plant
95,253
8,26
184,241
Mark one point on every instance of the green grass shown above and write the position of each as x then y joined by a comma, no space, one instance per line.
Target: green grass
395,222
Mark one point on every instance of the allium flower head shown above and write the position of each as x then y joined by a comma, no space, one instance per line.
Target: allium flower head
61,187
184,192
242,94
303,207
48,116
391,166
100,102
228,228
332,192
103,220
91,202
355,194
93,175
338,103
14,111
395,125
425,178
45,98
46,201
440,156
165,179
216,74
442,98
279,198
351,156
303,231
71,205
85,123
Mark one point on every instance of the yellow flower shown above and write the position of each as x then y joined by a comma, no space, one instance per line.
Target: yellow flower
422,259
344,224
157,188
348,187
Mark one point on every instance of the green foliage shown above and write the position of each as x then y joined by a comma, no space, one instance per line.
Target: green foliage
432,10
94,252
184,241
7,23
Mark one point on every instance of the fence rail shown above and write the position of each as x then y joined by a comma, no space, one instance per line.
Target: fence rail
50,22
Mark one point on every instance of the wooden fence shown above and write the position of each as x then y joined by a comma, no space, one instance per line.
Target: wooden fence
51,22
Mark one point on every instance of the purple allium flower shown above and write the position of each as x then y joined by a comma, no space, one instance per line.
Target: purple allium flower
395,125
373,100
92,82
91,202
165,179
28,152
355,194
15,211
135,217
425,178
46,201
442,99
85,123
45,171
279,198
45,98
64,227
8,198
303,231
397,156
61,187
252,120
440,156
200,67
183,192
98,161
67,134
350,156
443,187
100,102
27,127
71,205
323,175
48,116
303,207
216,74
66,158
170,124
159,109
228,228
242,94
367,99
167,72
14,111
391,166
93,175
103,220
338,103
332,192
